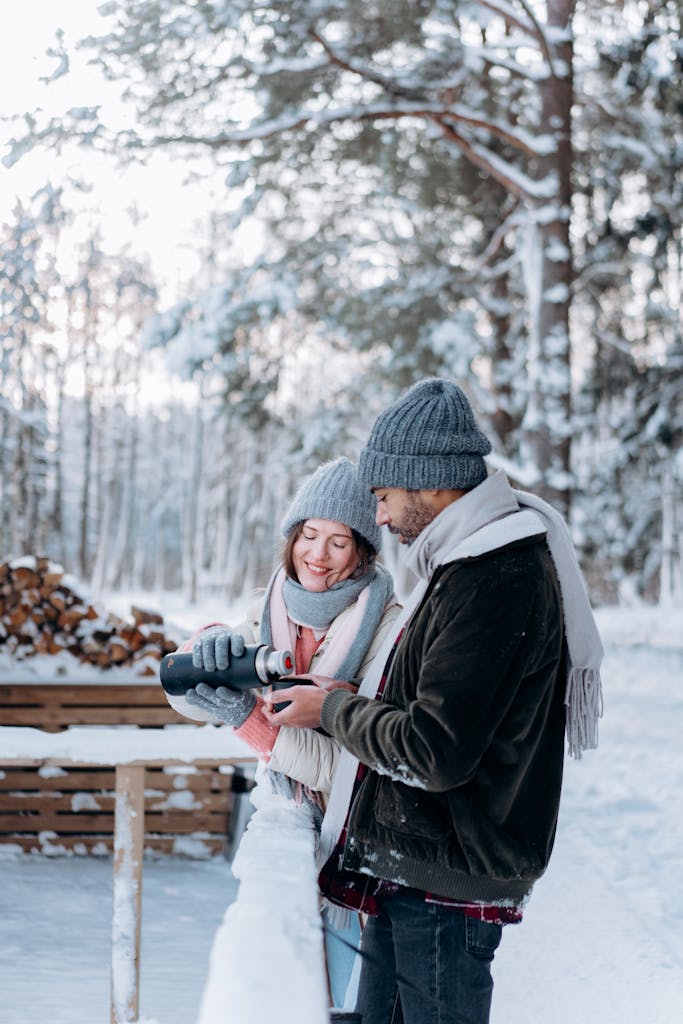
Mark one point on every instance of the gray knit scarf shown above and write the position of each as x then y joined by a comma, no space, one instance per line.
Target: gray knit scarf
492,515
318,610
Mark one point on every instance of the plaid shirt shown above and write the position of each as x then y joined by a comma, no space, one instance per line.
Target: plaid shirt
362,893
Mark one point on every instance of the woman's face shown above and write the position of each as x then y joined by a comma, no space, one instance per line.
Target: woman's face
323,554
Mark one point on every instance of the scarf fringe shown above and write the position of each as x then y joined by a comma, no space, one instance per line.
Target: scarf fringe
584,702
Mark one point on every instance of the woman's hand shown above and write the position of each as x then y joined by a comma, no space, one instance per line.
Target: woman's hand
306,702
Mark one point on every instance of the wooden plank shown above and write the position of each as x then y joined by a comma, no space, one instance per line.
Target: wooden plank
24,780
100,844
214,822
64,825
58,718
197,780
153,762
85,803
54,707
32,694
26,821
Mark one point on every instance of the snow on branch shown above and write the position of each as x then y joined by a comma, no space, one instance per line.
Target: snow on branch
283,65
530,26
532,145
518,138
363,71
514,180
59,52
492,55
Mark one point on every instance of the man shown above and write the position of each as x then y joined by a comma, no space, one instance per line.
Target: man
444,806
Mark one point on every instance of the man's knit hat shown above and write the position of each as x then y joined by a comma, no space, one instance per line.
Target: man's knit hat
427,438
335,492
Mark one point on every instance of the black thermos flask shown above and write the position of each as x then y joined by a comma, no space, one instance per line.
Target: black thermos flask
258,666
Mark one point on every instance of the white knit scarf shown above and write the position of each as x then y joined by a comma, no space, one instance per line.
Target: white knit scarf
485,519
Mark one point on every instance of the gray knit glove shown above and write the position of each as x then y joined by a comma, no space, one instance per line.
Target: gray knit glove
213,648
222,704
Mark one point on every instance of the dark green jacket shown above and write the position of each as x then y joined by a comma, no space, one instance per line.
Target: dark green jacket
467,745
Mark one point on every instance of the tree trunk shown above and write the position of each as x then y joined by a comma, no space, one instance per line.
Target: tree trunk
548,271
190,552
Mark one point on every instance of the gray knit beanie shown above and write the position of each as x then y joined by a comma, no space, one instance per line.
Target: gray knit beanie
427,438
335,492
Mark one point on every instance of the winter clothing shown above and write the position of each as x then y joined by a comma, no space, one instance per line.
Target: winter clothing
493,502
442,954
222,703
318,609
216,647
212,650
334,492
335,633
466,746
428,438
304,755
286,608
346,652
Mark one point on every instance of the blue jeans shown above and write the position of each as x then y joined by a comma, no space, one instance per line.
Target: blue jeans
426,964
340,944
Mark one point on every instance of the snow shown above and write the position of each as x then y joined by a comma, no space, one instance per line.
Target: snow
121,744
275,866
601,939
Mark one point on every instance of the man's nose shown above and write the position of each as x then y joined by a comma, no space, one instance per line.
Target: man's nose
381,517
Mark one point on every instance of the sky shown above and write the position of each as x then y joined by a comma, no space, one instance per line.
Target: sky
171,207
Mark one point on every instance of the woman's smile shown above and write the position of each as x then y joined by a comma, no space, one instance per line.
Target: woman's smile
324,553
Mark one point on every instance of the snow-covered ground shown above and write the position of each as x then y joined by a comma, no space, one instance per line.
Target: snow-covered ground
601,942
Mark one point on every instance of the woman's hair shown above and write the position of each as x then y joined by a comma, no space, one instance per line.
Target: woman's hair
366,553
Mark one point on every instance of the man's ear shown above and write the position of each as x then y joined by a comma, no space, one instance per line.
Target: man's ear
440,498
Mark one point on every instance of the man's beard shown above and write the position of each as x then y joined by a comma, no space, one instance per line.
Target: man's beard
416,515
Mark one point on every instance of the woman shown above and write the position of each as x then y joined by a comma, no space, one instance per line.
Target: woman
332,605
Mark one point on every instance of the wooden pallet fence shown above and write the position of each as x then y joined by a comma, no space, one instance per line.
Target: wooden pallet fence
55,706
187,808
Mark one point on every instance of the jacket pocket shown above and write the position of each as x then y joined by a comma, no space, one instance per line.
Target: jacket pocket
411,811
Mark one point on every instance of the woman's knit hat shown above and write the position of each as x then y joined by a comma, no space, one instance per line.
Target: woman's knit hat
335,492
427,438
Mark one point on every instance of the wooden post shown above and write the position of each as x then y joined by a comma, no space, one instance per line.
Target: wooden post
129,834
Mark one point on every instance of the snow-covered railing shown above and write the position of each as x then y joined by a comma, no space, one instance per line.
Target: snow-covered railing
267,961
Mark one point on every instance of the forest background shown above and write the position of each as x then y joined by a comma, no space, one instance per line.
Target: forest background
379,192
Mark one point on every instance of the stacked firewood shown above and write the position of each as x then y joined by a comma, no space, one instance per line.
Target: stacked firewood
43,610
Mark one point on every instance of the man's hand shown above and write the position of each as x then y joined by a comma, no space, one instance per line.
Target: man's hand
306,703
